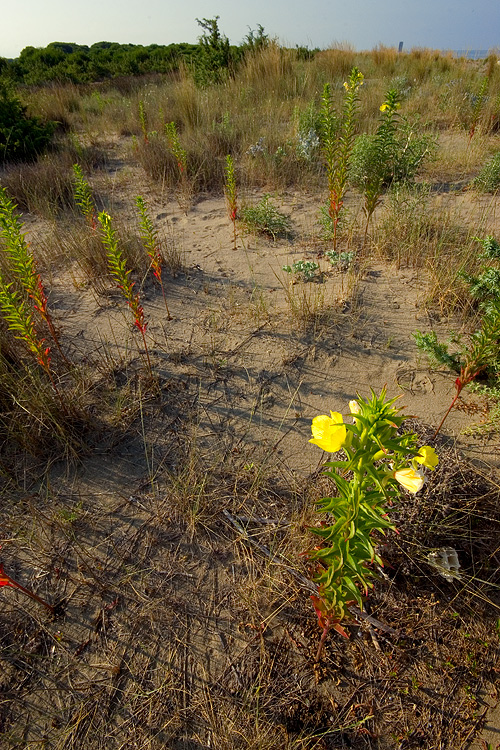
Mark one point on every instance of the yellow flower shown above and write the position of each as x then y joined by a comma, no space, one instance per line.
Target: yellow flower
427,456
329,433
354,407
411,479
383,107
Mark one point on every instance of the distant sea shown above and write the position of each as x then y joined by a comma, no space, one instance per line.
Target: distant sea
474,54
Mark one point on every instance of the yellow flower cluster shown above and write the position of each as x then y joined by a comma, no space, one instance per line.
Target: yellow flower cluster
329,434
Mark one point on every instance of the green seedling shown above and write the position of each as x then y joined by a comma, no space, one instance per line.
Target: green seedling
341,260
306,268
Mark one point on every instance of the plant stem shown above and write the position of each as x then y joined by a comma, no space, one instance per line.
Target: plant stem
15,585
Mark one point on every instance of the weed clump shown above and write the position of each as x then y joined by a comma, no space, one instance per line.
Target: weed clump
22,138
264,218
488,179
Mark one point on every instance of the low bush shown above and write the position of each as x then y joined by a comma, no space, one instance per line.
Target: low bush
22,138
488,179
264,218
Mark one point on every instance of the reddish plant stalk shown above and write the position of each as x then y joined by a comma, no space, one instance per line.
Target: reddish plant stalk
6,580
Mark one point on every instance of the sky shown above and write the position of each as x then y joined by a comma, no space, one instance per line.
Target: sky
438,24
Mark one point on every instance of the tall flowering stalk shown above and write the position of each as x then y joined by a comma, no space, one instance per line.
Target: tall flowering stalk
231,194
336,136
22,263
149,237
383,154
82,193
118,268
378,461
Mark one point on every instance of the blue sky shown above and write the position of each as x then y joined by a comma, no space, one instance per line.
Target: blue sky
440,24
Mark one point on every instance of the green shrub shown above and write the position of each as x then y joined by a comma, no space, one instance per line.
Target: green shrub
264,218
403,158
488,179
22,138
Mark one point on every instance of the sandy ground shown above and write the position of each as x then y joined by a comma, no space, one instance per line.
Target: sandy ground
263,352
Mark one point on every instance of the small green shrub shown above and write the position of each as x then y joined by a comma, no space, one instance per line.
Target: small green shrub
342,261
488,179
22,138
404,155
484,288
264,218
305,268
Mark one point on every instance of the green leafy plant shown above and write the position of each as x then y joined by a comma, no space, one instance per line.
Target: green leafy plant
21,137
305,268
119,271
485,287
342,260
231,193
488,179
478,101
336,136
393,154
143,121
180,155
214,60
481,353
379,154
175,147
378,461
264,218
82,193
149,237
22,263
19,319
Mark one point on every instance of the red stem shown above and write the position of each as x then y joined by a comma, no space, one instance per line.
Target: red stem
459,387
15,585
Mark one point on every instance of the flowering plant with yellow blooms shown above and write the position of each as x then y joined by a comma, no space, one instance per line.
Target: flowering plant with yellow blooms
378,462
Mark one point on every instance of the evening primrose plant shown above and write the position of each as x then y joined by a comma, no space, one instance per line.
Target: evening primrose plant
378,462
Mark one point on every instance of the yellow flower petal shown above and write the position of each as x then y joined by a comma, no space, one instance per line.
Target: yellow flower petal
329,433
427,456
410,479
354,407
